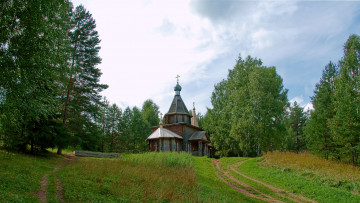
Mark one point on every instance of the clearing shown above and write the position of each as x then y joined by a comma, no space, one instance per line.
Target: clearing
163,177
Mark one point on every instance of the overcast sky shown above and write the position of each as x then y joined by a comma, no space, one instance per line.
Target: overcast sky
145,44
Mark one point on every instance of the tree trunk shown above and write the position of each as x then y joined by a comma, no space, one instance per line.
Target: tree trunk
68,93
32,145
59,151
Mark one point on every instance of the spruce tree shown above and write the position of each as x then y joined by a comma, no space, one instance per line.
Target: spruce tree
296,122
346,122
318,133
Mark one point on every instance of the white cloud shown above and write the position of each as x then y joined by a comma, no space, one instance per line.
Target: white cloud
300,101
145,44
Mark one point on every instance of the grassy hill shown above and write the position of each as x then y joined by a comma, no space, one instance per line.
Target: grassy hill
174,177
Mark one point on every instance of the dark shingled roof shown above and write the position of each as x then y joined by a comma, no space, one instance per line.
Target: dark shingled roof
178,106
200,135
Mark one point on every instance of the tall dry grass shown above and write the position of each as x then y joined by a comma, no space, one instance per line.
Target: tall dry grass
314,164
158,177
173,159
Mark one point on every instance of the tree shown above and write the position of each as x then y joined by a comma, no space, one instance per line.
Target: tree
139,131
248,109
296,123
318,133
113,131
83,87
150,113
346,122
126,129
218,122
102,122
33,55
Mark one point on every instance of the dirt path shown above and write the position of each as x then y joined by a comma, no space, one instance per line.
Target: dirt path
251,191
283,193
245,189
41,194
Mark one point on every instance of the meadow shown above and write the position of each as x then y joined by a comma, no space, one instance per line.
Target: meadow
20,175
179,177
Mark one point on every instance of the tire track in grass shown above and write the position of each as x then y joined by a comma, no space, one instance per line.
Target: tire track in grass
244,189
70,158
280,192
41,194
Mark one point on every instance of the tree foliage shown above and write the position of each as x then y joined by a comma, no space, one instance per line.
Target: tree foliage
346,122
33,56
150,113
334,125
295,137
248,110
319,135
82,94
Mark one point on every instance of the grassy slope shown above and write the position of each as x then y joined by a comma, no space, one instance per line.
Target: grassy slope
295,182
20,175
211,188
165,177
151,177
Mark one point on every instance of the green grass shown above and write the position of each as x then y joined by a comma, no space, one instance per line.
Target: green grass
211,188
149,177
227,161
331,173
20,175
181,159
161,177
51,195
54,150
294,182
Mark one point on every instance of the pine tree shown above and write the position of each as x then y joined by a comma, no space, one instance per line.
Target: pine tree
83,87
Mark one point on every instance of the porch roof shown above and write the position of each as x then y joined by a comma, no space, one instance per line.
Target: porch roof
200,135
163,133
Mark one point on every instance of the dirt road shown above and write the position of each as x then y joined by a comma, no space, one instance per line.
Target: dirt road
43,191
277,194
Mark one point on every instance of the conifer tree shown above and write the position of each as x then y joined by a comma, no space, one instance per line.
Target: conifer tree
296,122
83,87
114,117
318,133
346,122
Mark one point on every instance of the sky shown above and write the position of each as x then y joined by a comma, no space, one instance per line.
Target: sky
145,44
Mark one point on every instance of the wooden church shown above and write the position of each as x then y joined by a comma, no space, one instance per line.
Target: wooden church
180,132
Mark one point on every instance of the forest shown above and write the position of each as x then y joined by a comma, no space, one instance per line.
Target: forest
251,113
50,96
50,84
